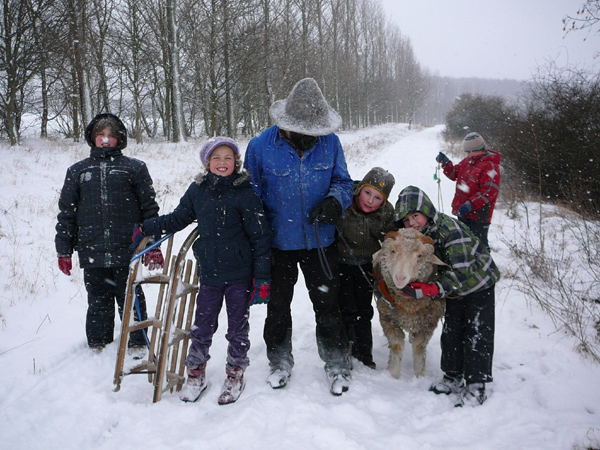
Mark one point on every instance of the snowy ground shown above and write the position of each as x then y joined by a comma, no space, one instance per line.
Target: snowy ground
55,394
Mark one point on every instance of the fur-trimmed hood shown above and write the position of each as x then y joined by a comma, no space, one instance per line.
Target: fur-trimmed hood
235,179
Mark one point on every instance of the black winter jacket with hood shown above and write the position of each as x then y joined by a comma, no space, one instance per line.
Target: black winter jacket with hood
102,198
234,241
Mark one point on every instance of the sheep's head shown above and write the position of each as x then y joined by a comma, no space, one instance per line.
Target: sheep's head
406,256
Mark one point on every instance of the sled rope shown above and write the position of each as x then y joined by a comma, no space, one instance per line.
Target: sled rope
136,301
354,257
437,177
150,247
322,257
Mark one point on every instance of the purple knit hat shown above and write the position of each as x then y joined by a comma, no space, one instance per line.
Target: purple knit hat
213,143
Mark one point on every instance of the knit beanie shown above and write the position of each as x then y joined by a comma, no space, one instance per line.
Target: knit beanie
473,142
213,143
380,180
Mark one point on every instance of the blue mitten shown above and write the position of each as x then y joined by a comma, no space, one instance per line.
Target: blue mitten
465,209
442,159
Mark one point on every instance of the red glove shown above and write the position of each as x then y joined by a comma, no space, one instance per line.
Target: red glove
260,292
65,265
153,259
419,290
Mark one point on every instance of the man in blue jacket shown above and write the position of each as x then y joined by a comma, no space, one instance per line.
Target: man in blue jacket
298,169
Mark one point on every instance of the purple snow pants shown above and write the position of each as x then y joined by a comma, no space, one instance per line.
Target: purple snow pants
208,307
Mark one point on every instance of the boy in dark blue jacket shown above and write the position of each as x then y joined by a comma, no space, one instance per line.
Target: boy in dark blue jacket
102,198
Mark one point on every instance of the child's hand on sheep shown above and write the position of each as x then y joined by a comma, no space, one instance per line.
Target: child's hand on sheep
419,290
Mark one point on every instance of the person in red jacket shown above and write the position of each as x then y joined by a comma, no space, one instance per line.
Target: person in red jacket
477,183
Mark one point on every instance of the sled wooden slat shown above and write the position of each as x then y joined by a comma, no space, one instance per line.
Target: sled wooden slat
169,373
128,325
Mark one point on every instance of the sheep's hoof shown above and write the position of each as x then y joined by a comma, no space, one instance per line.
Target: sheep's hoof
395,373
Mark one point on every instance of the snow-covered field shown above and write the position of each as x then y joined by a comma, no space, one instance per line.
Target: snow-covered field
56,394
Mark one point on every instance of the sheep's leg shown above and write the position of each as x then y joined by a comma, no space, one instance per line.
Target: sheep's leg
419,348
395,336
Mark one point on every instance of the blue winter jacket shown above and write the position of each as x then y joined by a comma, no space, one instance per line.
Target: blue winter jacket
291,187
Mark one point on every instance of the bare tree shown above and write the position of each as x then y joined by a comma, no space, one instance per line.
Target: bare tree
17,61
587,16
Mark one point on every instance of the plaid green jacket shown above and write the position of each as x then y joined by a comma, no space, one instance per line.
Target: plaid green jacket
470,265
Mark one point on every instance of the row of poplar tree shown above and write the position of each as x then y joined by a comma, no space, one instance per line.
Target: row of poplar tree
179,68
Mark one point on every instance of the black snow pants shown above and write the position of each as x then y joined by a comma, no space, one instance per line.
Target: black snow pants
331,337
104,286
468,337
356,304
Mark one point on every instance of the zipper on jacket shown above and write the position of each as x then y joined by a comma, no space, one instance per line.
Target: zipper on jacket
104,205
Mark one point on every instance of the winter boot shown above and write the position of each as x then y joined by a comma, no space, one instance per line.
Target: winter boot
339,381
472,395
279,378
195,384
233,386
448,385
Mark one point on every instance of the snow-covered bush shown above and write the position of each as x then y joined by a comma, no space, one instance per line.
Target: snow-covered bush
558,266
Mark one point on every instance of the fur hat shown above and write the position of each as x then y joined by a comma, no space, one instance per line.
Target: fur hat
380,180
213,143
306,111
473,142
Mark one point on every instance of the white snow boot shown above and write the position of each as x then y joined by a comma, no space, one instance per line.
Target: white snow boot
448,385
339,380
279,378
472,395
195,384
233,386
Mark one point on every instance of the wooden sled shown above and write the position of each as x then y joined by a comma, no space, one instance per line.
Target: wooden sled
168,331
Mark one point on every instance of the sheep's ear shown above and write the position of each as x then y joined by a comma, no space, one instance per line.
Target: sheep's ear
425,239
437,261
391,235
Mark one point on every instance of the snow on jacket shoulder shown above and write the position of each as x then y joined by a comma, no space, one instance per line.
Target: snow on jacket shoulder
102,198
291,187
234,240
478,181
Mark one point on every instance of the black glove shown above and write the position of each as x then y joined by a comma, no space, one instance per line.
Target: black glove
328,211
442,159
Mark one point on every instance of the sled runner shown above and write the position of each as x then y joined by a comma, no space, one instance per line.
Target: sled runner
167,333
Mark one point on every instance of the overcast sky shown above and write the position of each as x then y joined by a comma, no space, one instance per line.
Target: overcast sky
493,38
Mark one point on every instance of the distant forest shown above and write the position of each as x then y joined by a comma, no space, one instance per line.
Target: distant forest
444,91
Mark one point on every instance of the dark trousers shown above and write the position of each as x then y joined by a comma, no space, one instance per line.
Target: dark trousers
332,343
208,306
104,286
468,337
355,299
479,229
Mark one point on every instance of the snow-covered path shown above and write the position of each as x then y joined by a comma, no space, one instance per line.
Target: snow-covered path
55,394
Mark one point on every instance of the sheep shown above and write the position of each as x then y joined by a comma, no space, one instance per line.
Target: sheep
406,256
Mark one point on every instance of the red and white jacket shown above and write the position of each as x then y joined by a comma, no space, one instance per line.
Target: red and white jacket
478,181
